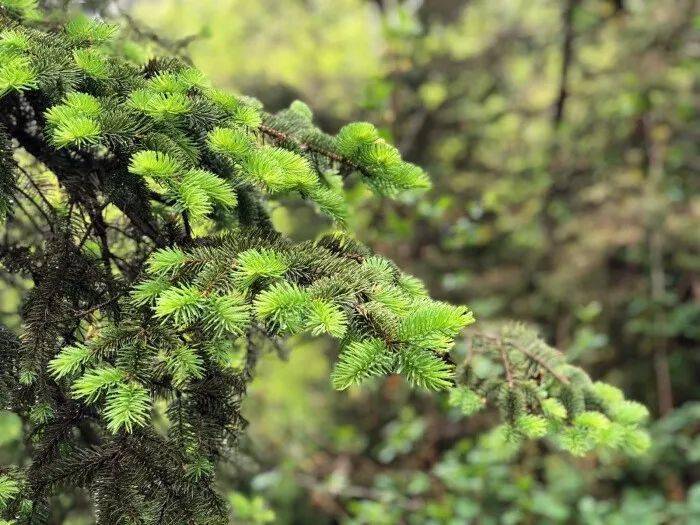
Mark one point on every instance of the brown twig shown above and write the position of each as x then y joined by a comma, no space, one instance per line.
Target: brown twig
506,365
280,136
541,362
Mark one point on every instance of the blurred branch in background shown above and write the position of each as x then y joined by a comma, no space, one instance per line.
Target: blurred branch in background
567,54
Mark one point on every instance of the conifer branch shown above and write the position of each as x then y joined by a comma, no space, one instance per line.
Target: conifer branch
163,280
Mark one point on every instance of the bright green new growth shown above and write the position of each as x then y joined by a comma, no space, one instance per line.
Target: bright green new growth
8,490
83,30
12,39
160,106
236,132
422,368
95,382
70,360
532,426
434,325
360,360
361,143
257,264
154,164
282,307
181,304
235,143
166,261
92,62
127,405
325,317
227,314
16,73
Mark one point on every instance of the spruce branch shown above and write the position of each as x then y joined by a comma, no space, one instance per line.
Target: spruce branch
161,280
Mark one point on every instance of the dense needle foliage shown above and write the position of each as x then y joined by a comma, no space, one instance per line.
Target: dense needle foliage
156,272
561,141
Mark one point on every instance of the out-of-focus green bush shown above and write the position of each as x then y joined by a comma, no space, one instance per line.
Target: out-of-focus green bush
326,51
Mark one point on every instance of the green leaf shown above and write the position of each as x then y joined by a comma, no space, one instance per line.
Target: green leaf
283,305
330,202
93,383
9,488
184,364
591,420
24,8
180,304
576,441
17,75
27,377
84,30
62,114
360,360
379,269
531,425
216,189
635,442
261,167
160,106
297,171
41,413
228,313
391,298
77,132
84,103
226,353
246,115
407,176
235,143
147,291
433,325
412,286
193,78
255,264
166,261
301,109
424,369
594,424
612,436
554,409
193,198
92,63
608,393
628,412
149,163
223,99
127,406
166,82
353,137
199,467
70,360
14,40
325,317
180,82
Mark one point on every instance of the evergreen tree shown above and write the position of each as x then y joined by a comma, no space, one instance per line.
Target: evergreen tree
138,203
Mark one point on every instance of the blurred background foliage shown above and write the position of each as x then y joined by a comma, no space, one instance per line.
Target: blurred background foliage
562,138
